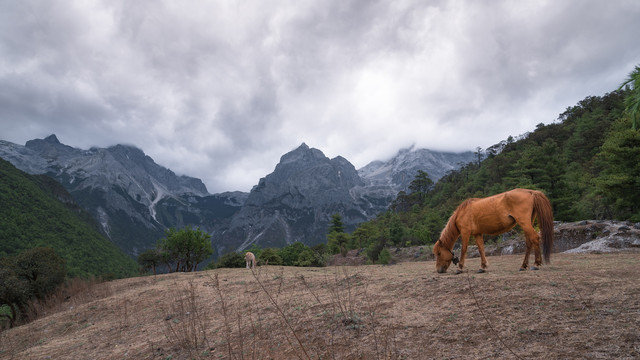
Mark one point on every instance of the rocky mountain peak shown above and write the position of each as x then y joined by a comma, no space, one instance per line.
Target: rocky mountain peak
50,147
52,139
127,150
134,199
398,172
303,153
295,201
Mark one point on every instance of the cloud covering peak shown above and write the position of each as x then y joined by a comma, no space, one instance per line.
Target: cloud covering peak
221,89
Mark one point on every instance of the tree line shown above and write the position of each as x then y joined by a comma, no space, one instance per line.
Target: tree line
587,162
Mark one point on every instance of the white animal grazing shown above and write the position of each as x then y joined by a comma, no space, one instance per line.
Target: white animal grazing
249,258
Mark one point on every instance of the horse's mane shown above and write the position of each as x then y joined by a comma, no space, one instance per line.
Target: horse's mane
451,232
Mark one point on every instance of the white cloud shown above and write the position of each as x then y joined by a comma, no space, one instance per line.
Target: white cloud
221,89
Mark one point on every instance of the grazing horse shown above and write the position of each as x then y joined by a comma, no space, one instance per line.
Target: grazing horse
495,215
250,259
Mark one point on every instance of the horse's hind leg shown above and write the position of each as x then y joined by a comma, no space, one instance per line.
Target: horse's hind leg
480,243
533,241
538,252
525,262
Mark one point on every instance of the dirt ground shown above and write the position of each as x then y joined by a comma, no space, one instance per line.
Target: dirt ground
581,306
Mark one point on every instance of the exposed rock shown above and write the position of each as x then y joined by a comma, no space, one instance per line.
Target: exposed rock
135,200
578,237
295,202
132,198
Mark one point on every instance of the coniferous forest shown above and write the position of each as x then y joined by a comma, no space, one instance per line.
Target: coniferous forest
587,162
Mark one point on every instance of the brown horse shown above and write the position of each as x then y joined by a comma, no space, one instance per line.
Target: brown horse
495,215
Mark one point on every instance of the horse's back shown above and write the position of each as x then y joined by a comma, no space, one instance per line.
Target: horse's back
498,213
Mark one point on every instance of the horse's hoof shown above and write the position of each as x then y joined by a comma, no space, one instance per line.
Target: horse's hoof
522,269
480,271
534,268
458,271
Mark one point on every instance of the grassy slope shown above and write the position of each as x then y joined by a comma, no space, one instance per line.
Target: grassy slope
32,215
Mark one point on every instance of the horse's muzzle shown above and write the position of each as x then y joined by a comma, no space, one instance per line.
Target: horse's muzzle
441,270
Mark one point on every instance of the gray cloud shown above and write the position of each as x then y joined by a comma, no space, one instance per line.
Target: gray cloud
220,90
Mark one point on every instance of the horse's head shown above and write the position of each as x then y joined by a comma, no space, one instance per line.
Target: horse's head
444,257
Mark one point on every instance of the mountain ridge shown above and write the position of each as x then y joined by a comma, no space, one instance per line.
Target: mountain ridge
134,199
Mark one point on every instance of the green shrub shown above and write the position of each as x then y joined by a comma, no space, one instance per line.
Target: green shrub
270,256
384,257
231,260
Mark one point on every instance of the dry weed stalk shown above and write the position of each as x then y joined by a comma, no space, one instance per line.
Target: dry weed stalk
282,314
72,293
187,322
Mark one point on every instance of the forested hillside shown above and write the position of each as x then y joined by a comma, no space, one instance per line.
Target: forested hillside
36,211
587,162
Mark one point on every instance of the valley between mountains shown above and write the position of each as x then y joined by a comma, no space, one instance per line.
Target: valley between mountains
134,200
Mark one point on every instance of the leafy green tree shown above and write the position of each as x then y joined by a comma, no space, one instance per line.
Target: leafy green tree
402,202
397,232
306,258
336,224
290,254
43,269
338,242
337,239
14,293
363,235
34,273
422,183
419,188
619,180
150,260
185,248
479,154
632,100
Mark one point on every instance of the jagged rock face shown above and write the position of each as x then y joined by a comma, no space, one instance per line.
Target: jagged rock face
133,198
124,166
296,201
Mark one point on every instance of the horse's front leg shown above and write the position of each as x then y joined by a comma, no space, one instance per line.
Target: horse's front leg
480,243
463,252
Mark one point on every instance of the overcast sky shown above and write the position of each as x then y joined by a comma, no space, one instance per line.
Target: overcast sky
219,90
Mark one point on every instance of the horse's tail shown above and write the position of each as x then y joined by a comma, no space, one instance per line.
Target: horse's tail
543,211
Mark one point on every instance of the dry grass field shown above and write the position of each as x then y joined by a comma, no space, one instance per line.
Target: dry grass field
582,306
